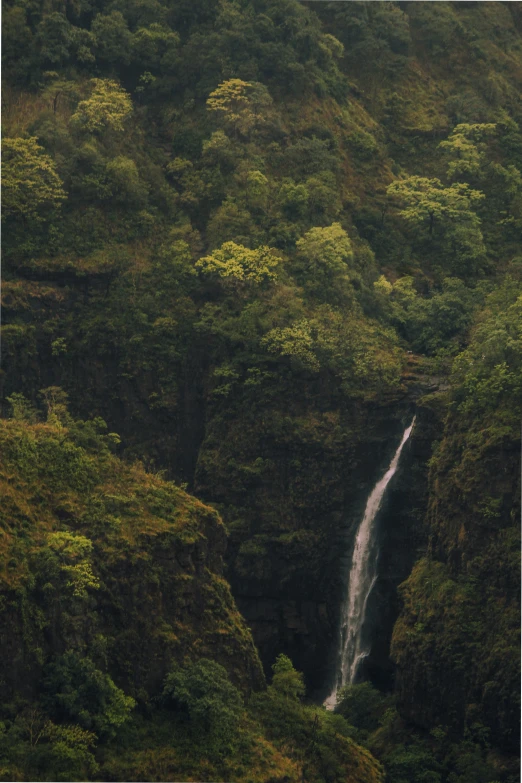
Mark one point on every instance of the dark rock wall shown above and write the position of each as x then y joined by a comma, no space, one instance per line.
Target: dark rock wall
292,488
402,535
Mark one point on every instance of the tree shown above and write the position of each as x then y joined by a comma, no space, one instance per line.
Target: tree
108,107
72,553
295,341
155,47
22,409
74,689
464,149
113,39
326,248
292,199
239,105
239,265
31,186
286,681
257,189
426,201
322,259
17,44
54,37
231,221
125,180
429,323
203,691
361,705
58,90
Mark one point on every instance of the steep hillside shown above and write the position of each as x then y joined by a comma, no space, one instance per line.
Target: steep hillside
256,237
456,642
113,598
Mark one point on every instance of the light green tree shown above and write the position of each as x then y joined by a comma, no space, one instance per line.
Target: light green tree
329,248
424,201
295,341
74,554
286,681
465,149
239,265
108,107
239,105
31,186
323,256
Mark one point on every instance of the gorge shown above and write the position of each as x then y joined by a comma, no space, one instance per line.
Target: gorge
260,392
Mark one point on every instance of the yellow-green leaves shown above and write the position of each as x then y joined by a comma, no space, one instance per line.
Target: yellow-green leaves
328,247
239,105
238,265
465,150
323,255
74,553
30,185
295,341
107,108
427,201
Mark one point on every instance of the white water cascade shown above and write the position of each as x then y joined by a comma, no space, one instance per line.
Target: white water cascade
363,575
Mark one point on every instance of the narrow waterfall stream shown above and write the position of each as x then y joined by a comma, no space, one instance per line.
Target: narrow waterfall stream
363,575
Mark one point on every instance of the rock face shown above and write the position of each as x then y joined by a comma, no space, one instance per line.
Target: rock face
292,486
456,643
402,536
111,562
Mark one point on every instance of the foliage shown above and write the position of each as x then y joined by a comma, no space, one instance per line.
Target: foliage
323,259
427,202
236,264
295,341
488,374
286,680
31,185
464,149
75,689
362,706
201,252
107,108
73,553
240,105
213,704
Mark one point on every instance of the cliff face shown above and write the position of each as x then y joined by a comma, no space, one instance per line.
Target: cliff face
112,577
456,643
107,560
402,532
292,482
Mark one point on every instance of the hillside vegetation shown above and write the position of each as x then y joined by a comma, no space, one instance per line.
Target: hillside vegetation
252,236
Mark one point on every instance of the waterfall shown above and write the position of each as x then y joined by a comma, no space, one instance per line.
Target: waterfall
363,575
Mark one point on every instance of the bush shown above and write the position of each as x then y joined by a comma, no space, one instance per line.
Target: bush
212,704
74,689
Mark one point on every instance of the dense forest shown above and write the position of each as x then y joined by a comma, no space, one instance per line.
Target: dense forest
244,242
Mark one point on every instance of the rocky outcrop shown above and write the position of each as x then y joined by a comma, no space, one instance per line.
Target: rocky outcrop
111,562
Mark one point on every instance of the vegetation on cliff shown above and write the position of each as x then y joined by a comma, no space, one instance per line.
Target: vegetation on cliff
125,655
